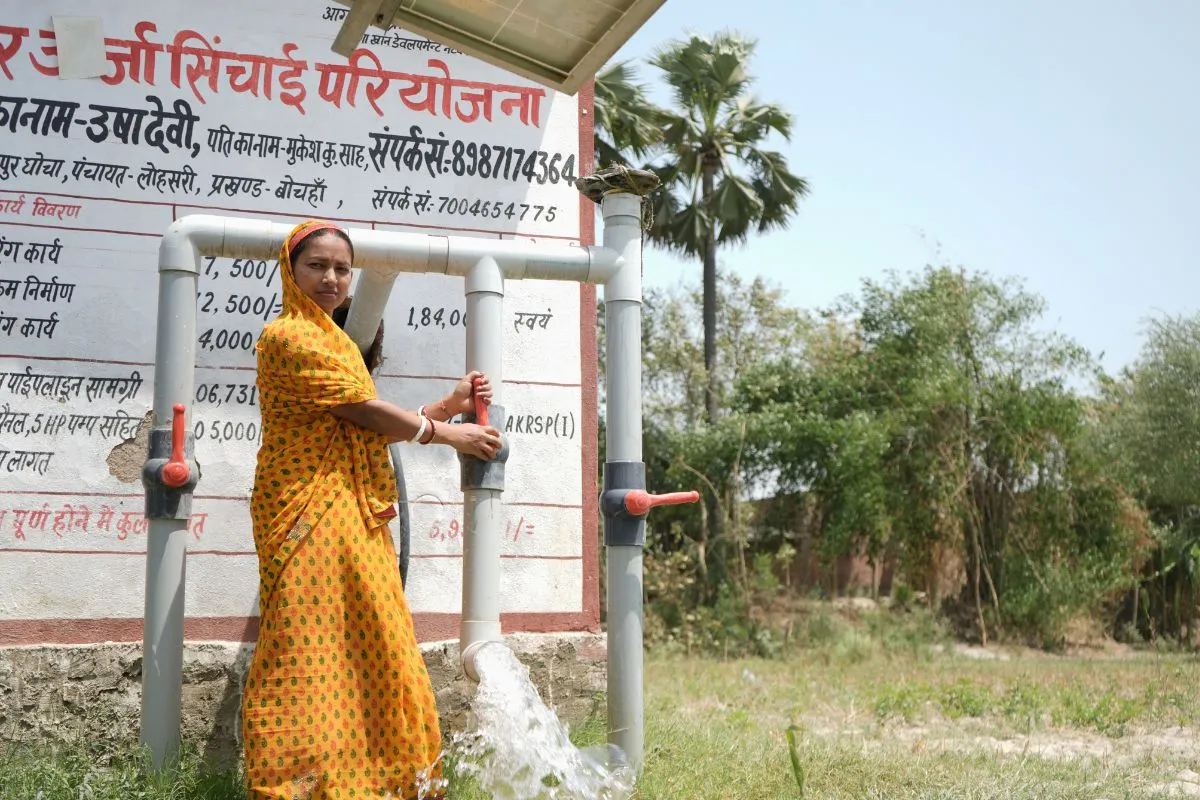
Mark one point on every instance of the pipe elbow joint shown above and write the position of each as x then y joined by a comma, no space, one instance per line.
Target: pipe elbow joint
177,251
603,263
470,656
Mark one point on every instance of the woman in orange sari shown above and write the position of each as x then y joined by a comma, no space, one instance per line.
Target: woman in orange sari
337,703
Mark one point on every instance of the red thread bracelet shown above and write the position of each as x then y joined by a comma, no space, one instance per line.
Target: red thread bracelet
432,431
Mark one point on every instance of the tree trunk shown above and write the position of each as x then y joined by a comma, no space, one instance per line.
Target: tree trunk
710,308
1137,596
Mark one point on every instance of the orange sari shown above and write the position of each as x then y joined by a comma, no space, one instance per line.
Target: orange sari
338,703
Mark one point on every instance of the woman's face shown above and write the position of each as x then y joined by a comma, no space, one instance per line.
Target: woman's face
322,270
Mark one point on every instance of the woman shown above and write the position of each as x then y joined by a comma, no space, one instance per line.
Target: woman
337,703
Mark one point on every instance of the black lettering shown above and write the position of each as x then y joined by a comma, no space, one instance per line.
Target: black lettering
35,461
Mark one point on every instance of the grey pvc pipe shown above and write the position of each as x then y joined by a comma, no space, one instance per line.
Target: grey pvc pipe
623,442
372,290
166,545
482,508
389,251
162,638
382,254
403,552
370,299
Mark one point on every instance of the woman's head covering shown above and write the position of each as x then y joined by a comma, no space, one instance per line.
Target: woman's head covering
308,365
295,300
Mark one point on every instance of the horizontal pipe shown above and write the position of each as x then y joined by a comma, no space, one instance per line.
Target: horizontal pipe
391,251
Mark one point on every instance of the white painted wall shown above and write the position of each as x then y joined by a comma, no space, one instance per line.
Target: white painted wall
58,561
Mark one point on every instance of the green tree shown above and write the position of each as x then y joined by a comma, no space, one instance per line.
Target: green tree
1162,423
720,183
753,323
1151,420
627,124
682,452
932,421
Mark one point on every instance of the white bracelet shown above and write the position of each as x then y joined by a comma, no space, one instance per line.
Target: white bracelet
421,412
420,431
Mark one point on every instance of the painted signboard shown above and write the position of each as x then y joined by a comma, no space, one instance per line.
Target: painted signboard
240,108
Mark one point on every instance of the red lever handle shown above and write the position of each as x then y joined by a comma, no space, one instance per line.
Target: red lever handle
175,473
481,408
639,502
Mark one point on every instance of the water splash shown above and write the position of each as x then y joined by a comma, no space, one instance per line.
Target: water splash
519,750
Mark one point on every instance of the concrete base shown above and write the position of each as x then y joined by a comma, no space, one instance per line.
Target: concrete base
92,693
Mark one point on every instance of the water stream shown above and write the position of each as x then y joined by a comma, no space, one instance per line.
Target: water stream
517,749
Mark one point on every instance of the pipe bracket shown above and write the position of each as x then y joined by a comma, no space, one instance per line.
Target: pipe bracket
475,473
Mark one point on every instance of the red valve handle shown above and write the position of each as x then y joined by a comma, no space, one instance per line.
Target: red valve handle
639,502
481,408
175,473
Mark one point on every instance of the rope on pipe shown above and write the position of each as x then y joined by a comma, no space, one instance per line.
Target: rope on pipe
619,178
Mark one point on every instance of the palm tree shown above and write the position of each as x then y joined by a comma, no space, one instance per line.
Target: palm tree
626,121
719,183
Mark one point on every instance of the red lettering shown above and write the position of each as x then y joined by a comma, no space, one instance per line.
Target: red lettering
69,518
291,79
452,531
481,102
139,57
203,66
48,50
16,37
430,84
348,77
206,62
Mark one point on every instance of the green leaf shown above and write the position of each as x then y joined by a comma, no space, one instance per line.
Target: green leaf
794,754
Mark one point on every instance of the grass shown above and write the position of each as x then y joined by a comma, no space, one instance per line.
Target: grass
882,708
889,727
73,772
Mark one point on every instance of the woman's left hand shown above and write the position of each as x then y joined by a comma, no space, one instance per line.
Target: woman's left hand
461,400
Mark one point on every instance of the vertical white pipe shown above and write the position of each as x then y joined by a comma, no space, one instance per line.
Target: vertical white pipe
482,509
623,442
166,547
623,329
370,299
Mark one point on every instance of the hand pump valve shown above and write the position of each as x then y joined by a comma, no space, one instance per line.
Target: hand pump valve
171,473
625,503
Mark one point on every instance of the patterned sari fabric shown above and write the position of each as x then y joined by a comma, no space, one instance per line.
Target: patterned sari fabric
337,703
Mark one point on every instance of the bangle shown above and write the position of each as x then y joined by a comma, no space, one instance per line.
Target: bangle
420,431
432,432
421,412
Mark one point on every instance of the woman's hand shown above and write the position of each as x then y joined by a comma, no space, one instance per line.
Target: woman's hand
470,439
461,400
400,426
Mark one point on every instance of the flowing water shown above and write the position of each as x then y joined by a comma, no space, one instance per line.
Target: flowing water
518,749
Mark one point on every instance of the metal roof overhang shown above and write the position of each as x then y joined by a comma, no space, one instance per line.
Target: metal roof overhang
558,43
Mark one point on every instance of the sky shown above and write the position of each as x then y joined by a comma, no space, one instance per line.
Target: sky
1057,142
